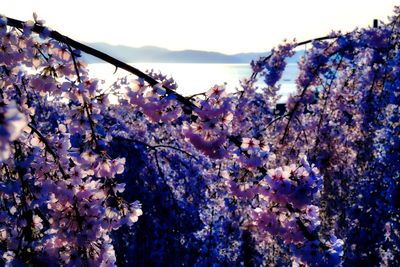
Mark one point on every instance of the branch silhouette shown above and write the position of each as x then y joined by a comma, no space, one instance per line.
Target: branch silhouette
101,55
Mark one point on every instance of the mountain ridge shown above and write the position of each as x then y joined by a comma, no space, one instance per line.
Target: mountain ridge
155,54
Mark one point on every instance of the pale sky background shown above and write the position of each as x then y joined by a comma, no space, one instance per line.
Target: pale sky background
227,26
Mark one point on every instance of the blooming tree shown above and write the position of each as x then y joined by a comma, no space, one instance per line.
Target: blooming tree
213,180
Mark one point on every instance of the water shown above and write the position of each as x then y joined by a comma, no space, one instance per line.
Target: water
193,78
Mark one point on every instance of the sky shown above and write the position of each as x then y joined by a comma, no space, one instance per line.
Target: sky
227,26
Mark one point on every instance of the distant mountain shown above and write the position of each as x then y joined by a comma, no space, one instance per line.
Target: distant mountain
163,55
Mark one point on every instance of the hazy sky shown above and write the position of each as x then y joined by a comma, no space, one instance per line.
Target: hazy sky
228,26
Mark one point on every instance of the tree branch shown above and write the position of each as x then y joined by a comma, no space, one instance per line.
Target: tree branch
49,149
96,53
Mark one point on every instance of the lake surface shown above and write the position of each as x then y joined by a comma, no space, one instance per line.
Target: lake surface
193,78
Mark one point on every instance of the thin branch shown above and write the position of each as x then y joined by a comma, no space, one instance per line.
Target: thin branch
154,147
198,94
175,148
328,91
48,149
91,122
298,102
254,75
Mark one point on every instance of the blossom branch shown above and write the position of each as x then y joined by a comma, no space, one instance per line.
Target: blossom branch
49,149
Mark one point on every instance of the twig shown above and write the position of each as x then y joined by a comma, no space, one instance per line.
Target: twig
48,149
91,122
175,148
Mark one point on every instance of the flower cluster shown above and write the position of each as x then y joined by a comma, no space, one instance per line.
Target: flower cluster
273,66
222,179
153,101
209,132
